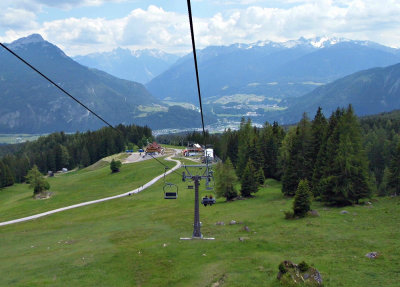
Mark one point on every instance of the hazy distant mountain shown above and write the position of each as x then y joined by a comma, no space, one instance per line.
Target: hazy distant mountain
139,66
269,69
30,104
370,92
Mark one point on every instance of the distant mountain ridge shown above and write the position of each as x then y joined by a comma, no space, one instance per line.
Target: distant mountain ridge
30,104
139,66
270,69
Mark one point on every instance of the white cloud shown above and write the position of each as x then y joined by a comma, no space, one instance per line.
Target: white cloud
155,27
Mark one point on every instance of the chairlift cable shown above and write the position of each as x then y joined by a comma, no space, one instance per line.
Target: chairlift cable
196,68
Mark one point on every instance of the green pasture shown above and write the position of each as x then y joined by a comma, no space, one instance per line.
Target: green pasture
17,138
134,241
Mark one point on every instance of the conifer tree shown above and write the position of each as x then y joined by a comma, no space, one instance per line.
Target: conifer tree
302,199
393,180
346,180
321,165
248,181
225,180
260,178
244,140
299,158
318,129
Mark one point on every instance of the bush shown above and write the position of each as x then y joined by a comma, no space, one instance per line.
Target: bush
303,266
282,268
289,214
115,165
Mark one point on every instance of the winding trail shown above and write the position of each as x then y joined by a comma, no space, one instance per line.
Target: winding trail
137,190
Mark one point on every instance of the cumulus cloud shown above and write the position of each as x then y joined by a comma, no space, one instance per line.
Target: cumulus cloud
155,27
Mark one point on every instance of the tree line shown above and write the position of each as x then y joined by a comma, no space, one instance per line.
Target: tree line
59,150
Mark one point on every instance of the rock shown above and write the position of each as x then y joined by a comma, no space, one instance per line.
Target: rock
313,213
344,212
219,223
290,275
243,238
246,228
232,222
368,203
372,255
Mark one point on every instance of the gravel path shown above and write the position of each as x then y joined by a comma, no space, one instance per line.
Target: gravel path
137,190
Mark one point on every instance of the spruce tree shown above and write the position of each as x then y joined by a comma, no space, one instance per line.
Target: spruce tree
260,178
318,129
302,199
248,181
225,180
393,178
325,156
346,177
244,140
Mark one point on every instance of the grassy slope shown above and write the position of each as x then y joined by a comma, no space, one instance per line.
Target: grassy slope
76,187
120,243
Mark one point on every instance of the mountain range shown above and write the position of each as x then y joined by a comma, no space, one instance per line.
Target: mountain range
268,69
264,81
139,66
30,104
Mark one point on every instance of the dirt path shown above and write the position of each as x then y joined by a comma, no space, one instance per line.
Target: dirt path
137,190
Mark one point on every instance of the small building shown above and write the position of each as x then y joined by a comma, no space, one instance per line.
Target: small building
194,150
154,148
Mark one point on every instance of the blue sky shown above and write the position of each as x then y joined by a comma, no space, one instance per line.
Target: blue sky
87,26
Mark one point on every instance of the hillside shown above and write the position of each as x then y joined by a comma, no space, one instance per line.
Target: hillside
370,92
134,240
139,66
29,104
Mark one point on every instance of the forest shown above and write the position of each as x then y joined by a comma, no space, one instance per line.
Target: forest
343,158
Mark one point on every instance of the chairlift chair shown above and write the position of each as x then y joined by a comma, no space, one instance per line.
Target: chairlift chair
170,191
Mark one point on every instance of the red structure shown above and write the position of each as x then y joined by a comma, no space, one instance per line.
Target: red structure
154,148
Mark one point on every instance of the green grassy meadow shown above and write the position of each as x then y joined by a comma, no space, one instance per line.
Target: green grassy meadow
134,241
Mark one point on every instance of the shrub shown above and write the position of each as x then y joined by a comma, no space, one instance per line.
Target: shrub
115,165
303,266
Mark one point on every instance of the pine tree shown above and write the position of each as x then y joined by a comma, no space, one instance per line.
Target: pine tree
346,177
302,199
225,180
244,139
260,178
248,181
318,129
324,156
393,180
